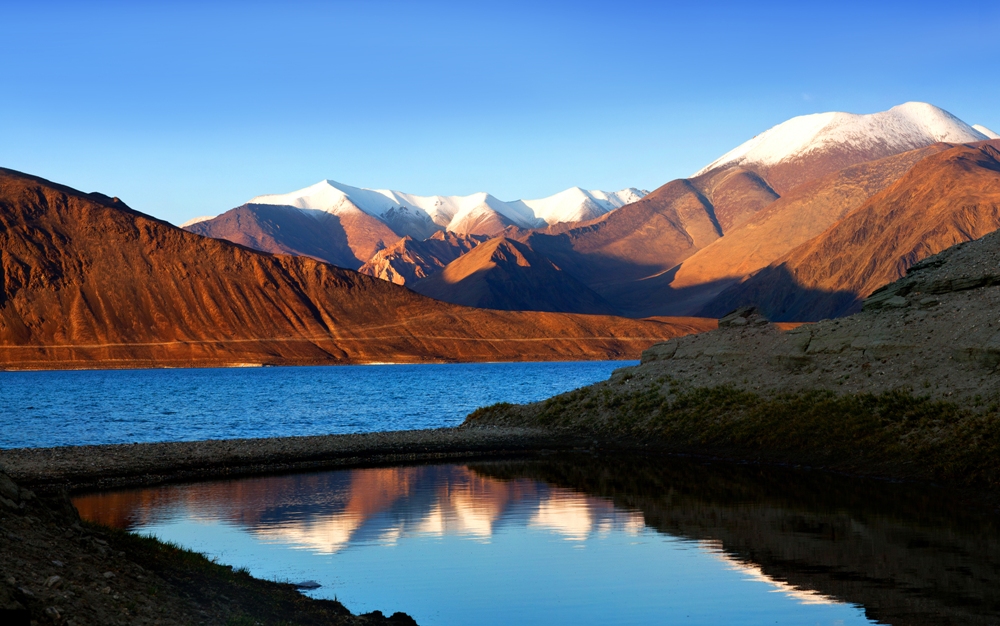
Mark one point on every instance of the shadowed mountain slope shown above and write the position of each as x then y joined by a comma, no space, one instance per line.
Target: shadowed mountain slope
86,281
770,233
639,239
409,260
947,198
509,275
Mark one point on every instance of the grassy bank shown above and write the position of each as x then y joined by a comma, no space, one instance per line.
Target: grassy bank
896,433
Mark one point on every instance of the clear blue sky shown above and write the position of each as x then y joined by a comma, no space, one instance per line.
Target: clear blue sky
185,109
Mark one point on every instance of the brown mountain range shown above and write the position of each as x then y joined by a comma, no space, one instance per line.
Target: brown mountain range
509,275
85,281
946,198
670,253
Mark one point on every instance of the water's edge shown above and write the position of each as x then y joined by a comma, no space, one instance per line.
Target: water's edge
101,467
82,469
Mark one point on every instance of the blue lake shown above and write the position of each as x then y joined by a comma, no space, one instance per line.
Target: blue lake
57,408
591,540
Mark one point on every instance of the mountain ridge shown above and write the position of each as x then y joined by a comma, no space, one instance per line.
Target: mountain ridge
86,281
947,198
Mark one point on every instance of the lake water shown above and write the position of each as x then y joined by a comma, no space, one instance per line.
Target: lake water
57,408
592,540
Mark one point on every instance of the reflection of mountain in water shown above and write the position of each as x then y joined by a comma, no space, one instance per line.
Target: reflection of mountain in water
909,555
326,512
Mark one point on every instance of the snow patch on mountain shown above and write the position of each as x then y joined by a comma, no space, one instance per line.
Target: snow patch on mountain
195,220
455,213
905,127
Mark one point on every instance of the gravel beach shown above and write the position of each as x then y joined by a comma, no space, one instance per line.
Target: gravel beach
82,468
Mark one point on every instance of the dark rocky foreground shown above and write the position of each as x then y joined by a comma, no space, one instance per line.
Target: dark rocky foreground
57,569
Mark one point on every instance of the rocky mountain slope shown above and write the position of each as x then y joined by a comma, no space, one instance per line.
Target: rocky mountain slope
680,247
86,281
946,198
409,260
509,275
795,218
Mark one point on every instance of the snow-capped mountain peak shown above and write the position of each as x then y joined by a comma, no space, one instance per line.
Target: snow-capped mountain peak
986,131
905,127
459,214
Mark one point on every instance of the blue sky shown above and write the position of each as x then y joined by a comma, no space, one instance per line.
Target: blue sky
185,109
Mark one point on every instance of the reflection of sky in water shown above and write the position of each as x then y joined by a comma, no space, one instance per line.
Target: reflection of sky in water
451,547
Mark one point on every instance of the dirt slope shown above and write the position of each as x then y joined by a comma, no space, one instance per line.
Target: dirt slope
86,281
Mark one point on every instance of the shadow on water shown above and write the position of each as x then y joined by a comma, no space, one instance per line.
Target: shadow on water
908,554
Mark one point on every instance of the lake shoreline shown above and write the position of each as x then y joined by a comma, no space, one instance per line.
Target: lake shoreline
96,468
101,467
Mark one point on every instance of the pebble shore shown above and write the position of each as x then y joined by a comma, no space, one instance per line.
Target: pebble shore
83,468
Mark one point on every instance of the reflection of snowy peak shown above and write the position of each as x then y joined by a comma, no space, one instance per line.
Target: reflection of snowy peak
478,213
905,127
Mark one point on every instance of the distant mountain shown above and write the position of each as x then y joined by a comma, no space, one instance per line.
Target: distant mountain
351,224
946,198
409,260
669,252
643,238
345,240
509,275
86,281
477,214
809,146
